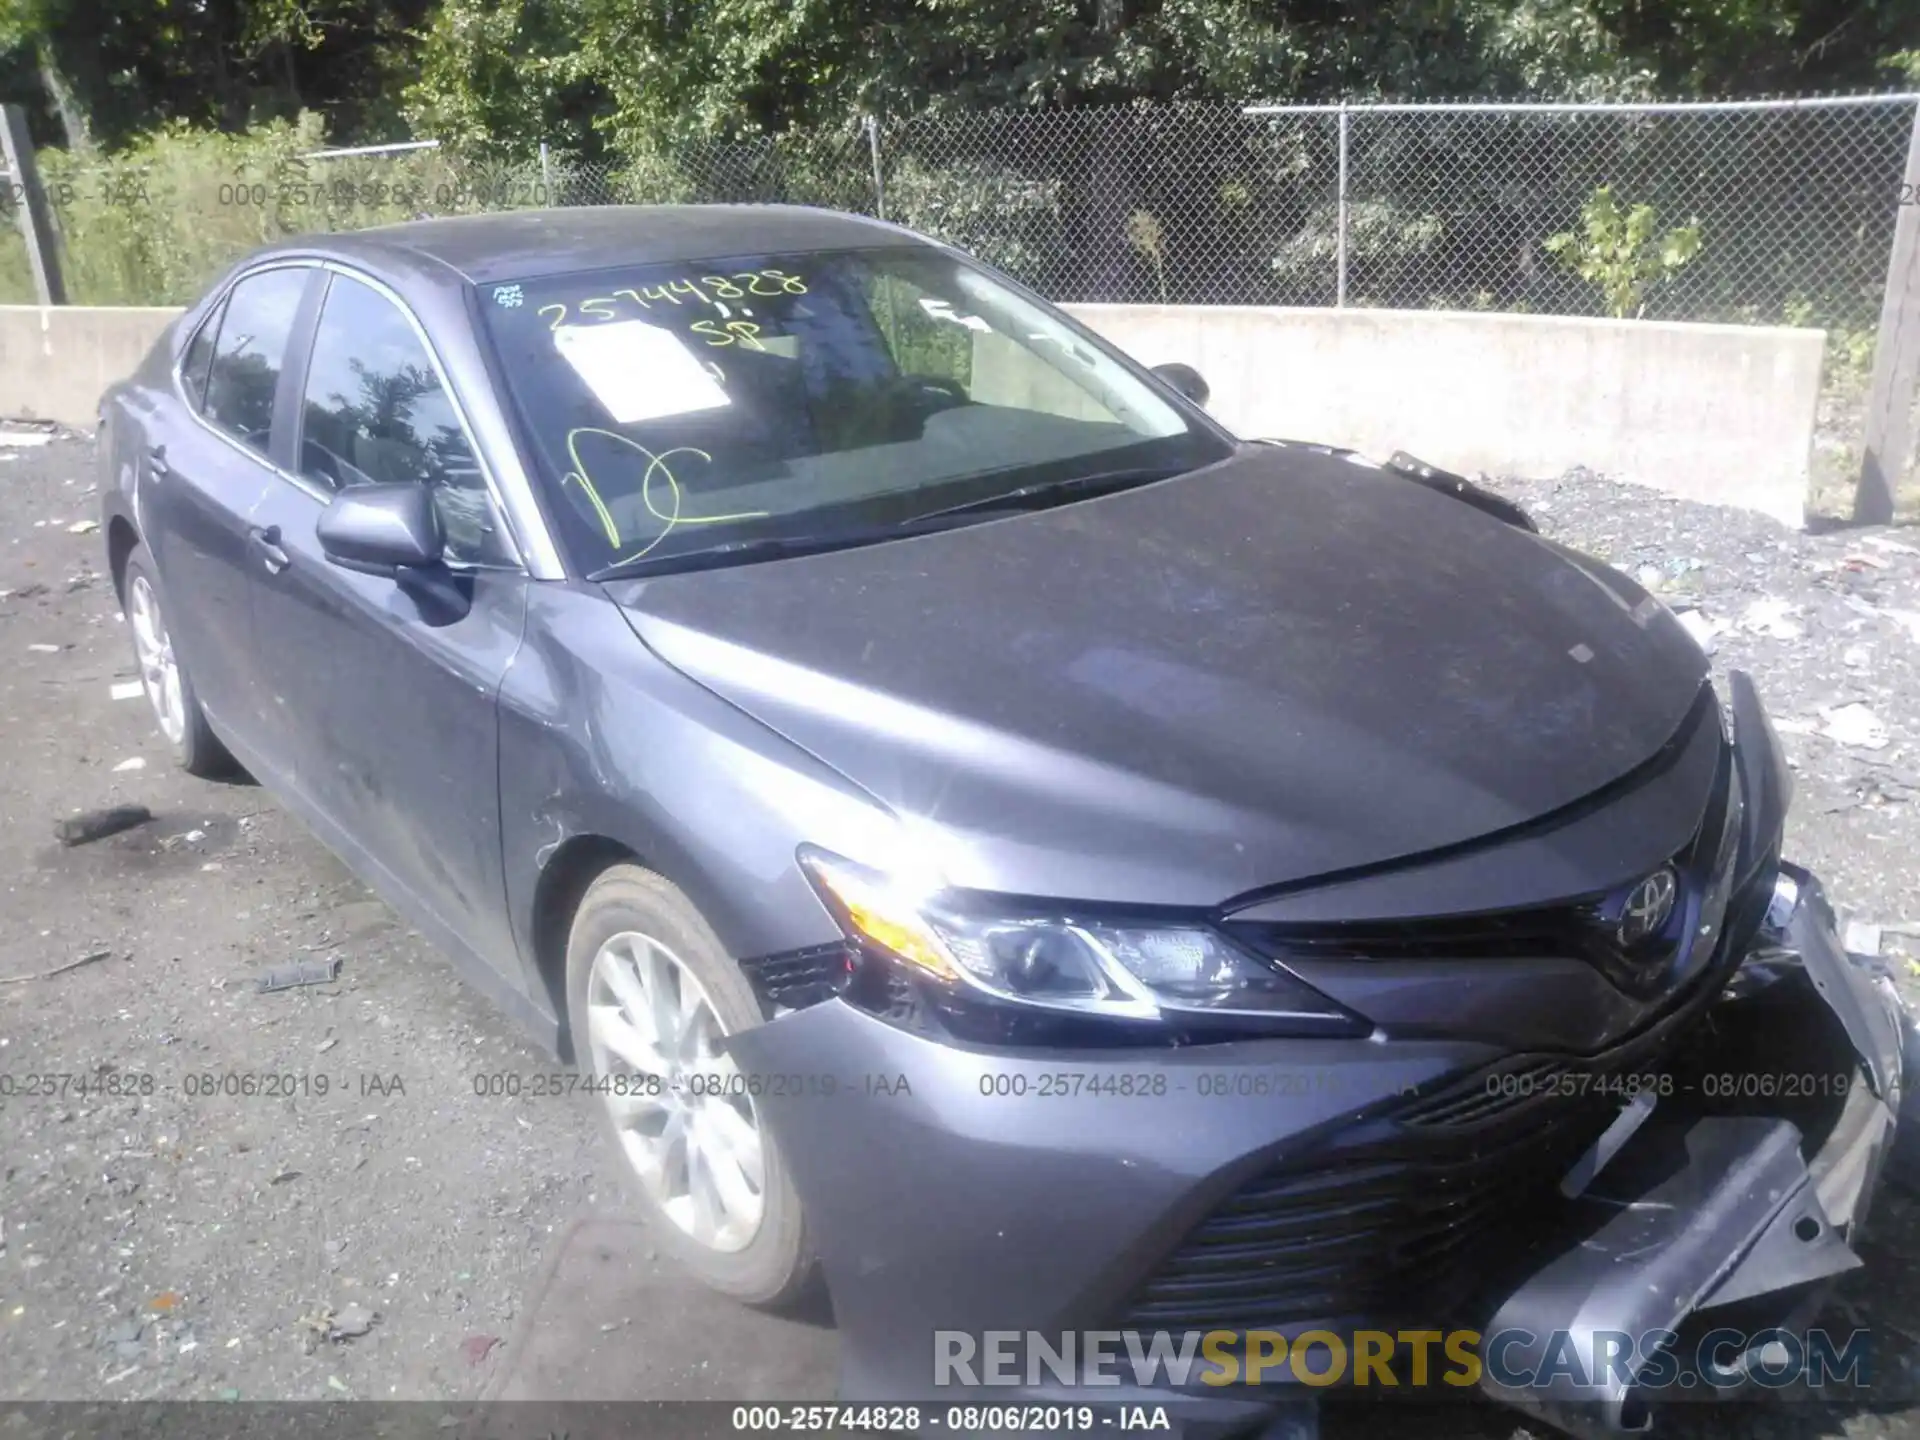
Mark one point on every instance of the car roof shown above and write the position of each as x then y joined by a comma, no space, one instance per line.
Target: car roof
529,244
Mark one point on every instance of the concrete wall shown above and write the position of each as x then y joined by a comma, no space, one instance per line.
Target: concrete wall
55,362
1721,413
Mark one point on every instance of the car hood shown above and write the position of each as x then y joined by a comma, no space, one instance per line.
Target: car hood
1282,666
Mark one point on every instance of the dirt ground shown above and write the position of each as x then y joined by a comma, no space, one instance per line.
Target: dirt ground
159,1243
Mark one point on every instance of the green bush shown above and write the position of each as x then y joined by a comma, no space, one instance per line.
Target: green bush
1619,252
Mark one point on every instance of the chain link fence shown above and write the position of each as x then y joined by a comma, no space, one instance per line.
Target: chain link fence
1402,205
1406,205
1791,205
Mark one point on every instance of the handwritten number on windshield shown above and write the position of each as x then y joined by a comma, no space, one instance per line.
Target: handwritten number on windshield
670,518
756,282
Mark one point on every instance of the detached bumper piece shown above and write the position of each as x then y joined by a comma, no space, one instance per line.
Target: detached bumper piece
1736,1199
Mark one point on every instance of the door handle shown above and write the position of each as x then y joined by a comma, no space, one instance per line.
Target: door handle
157,465
267,542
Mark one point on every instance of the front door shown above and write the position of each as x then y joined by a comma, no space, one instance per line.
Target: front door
385,689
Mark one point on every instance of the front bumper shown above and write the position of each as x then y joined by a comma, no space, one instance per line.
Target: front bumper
952,1192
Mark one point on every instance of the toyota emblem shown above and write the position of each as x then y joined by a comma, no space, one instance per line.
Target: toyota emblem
1648,907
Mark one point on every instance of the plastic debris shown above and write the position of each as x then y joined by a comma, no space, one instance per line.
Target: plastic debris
136,763
1862,938
92,825
127,690
350,1321
300,972
83,527
1855,725
43,649
1773,618
1704,630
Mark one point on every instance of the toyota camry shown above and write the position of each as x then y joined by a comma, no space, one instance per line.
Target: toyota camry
1002,847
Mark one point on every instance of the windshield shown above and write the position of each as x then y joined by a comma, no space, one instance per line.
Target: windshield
807,400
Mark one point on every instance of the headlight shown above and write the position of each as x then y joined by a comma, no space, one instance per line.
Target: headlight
1079,963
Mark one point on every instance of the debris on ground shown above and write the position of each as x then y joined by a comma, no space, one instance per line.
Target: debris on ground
1855,725
127,690
136,763
41,648
1862,938
91,825
350,1321
1773,618
300,972
478,1347
83,527
57,970
1705,630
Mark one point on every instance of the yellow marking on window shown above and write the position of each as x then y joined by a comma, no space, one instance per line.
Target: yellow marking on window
655,464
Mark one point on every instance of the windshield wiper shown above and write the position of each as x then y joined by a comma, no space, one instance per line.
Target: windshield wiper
1078,487
763,547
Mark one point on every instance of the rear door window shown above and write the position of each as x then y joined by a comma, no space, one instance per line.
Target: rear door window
199,356
250,352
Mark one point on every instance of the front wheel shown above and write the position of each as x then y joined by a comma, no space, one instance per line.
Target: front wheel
651,995
169,689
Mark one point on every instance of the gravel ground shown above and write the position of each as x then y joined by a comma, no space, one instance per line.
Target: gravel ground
168,1245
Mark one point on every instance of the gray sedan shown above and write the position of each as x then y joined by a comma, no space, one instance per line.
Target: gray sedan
993,842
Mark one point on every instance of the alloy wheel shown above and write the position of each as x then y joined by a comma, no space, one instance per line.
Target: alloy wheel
679,1105
153,647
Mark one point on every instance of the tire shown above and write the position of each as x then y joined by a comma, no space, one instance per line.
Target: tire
773,1268
196,749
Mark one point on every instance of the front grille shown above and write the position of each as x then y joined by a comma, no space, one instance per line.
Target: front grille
1375,1233
1397,1218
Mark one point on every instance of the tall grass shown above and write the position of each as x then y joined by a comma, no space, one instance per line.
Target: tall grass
153,224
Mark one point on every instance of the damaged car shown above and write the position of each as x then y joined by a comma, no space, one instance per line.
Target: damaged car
997,844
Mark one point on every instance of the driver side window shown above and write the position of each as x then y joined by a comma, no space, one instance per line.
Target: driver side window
375,413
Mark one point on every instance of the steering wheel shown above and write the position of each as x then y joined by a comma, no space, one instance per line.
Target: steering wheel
940,385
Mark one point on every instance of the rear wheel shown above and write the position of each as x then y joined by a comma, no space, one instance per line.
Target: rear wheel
651,996
176,709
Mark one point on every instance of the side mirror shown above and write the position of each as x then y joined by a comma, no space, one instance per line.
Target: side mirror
382,529
1187,380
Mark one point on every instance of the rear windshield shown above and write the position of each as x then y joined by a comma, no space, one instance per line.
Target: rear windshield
685,408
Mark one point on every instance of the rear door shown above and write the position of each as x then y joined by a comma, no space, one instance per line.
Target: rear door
201,478
385,689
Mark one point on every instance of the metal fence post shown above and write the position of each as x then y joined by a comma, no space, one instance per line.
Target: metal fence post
1888,451
879,185
30,206
1340,235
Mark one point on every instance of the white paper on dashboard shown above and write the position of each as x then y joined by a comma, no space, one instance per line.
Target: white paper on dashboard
638,371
